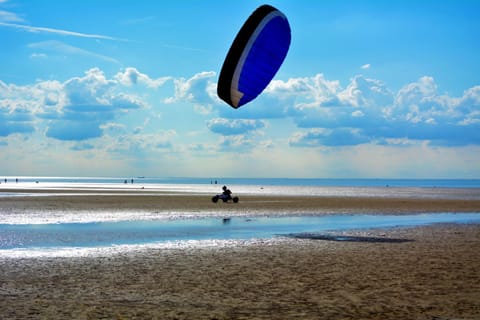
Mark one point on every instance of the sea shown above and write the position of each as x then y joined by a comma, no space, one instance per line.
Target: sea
51,233
290,182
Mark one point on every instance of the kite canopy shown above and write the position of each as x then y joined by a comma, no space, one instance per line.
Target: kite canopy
255,56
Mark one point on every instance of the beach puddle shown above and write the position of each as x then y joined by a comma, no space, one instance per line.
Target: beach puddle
64,236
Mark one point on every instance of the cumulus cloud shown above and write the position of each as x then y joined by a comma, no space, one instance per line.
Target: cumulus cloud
17,108
421,113
125,102
319,102
88,89
325,113
328,137
197,89
328,105
234,127
91,102
236,142
75,110
366,110
469,104
307,92
131,76
139,145
365,93
283,99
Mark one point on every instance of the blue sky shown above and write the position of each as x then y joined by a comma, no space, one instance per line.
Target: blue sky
370,89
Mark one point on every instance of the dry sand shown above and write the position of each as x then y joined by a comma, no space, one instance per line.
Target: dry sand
436,275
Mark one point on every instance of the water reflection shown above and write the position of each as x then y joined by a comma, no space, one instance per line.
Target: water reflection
107,234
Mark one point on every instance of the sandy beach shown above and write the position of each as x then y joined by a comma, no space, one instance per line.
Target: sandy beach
432,273
165,202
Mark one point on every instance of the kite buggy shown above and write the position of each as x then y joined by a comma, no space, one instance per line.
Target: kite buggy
225,196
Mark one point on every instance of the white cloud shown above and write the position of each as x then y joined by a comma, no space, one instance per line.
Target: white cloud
469,103
141,144
82,146
91,102
21,106
365,66
314,92
357,114
77,109
114,129
234,127
65,49
362,128
34,29
38,56
92,88
236,143
417,111
328,137
364,92
9,16
197,89
125,102
318,92
132,76
289,98
325,113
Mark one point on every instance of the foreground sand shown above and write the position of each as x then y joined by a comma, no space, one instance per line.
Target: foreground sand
435,275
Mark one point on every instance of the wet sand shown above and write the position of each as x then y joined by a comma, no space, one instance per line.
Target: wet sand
434,275
165,203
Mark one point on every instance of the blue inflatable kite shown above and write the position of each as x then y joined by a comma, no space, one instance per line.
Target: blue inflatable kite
255,56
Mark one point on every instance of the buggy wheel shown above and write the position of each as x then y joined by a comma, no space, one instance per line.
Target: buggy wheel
235,199
214,199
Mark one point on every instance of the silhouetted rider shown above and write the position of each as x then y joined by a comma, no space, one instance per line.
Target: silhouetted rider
227,194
